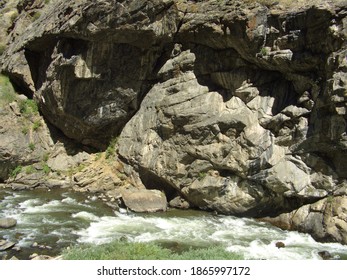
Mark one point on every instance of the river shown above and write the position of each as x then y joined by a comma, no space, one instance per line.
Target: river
60,218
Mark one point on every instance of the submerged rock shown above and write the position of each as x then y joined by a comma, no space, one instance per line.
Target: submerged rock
280,244
325,255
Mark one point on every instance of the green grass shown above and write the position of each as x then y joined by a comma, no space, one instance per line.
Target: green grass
36,125
28,107
16,171
31,146
7,92
202,175
111,149
45,157
25,130
122,250
45,168
30,169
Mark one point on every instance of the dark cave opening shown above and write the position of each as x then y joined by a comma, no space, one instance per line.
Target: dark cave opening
154,182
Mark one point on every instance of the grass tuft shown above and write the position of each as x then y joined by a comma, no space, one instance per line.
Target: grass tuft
7,92
28,107
16,171
111,149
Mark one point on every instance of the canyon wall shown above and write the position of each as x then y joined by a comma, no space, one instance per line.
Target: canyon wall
230,106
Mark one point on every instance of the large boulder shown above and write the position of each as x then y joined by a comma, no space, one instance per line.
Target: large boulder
325,220
253,134
145,201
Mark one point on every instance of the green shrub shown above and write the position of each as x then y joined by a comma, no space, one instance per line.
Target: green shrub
118,251
45,168
28,107
45,157
7,92
111,149
202,175
31,146
37,124
263,51
30,169
25,130
98,156
122,250
16,171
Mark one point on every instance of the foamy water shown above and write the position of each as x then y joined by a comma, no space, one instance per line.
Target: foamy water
60,219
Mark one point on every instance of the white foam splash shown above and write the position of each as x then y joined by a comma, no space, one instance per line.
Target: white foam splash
85,216
253,240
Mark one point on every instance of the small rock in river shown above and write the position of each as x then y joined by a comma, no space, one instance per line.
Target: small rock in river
16,248
7,222
7,245
325,255
280,244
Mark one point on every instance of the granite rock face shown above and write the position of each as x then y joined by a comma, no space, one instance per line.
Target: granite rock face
23,140
89,63
231,107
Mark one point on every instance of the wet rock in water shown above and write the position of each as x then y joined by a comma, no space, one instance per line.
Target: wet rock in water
6,245
280,244
34,245
179,202
16,248
14,258
325,255
145,201
325,220
7,222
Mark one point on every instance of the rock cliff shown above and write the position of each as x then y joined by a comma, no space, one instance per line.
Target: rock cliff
230,106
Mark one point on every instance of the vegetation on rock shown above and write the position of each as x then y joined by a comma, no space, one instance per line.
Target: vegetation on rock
7,92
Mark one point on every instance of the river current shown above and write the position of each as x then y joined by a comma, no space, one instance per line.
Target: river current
61,218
